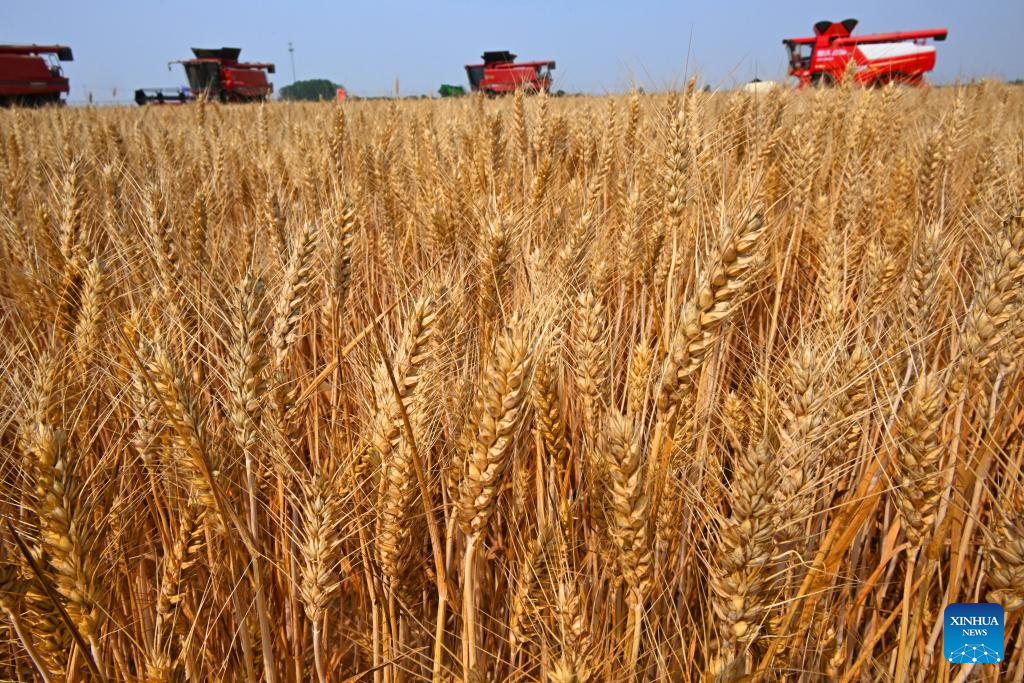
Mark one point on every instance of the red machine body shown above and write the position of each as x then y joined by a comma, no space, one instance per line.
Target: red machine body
901,56
501,74
218,74
31,74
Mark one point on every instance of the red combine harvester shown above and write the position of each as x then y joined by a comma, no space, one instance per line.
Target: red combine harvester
219,74
501,74
900,57
29,78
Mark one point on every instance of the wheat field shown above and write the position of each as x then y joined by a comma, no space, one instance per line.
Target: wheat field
684,386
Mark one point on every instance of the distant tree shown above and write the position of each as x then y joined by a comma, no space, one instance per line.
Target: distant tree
311,90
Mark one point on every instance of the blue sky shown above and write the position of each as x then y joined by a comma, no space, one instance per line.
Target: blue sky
599,46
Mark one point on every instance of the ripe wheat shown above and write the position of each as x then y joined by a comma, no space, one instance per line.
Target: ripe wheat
642,387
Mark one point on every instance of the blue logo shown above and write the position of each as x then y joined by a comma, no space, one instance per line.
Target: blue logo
973,632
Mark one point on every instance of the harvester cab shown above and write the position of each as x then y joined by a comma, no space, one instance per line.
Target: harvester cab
32,74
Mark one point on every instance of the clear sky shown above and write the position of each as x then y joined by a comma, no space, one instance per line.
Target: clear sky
600,46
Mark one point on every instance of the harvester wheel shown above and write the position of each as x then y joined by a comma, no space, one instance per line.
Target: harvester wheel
823,79
894,77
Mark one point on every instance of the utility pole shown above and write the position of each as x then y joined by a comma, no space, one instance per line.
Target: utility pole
291,54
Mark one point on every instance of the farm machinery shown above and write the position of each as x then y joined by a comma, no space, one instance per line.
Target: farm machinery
31,74
501,74
219,75
899,57
449,90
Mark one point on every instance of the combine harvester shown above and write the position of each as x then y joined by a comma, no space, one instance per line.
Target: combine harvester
500,74
219,75
900,57
28,78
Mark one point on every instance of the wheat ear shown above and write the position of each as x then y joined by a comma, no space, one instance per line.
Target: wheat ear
1006,573
501,405
741,579
719,292
189,436
318,544
919,452
163,663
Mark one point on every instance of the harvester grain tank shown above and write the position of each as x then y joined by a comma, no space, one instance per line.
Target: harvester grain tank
500,74
31,74
880,58
219,75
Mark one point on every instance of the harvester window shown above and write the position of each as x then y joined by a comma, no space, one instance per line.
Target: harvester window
800,55
54,66
804,51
